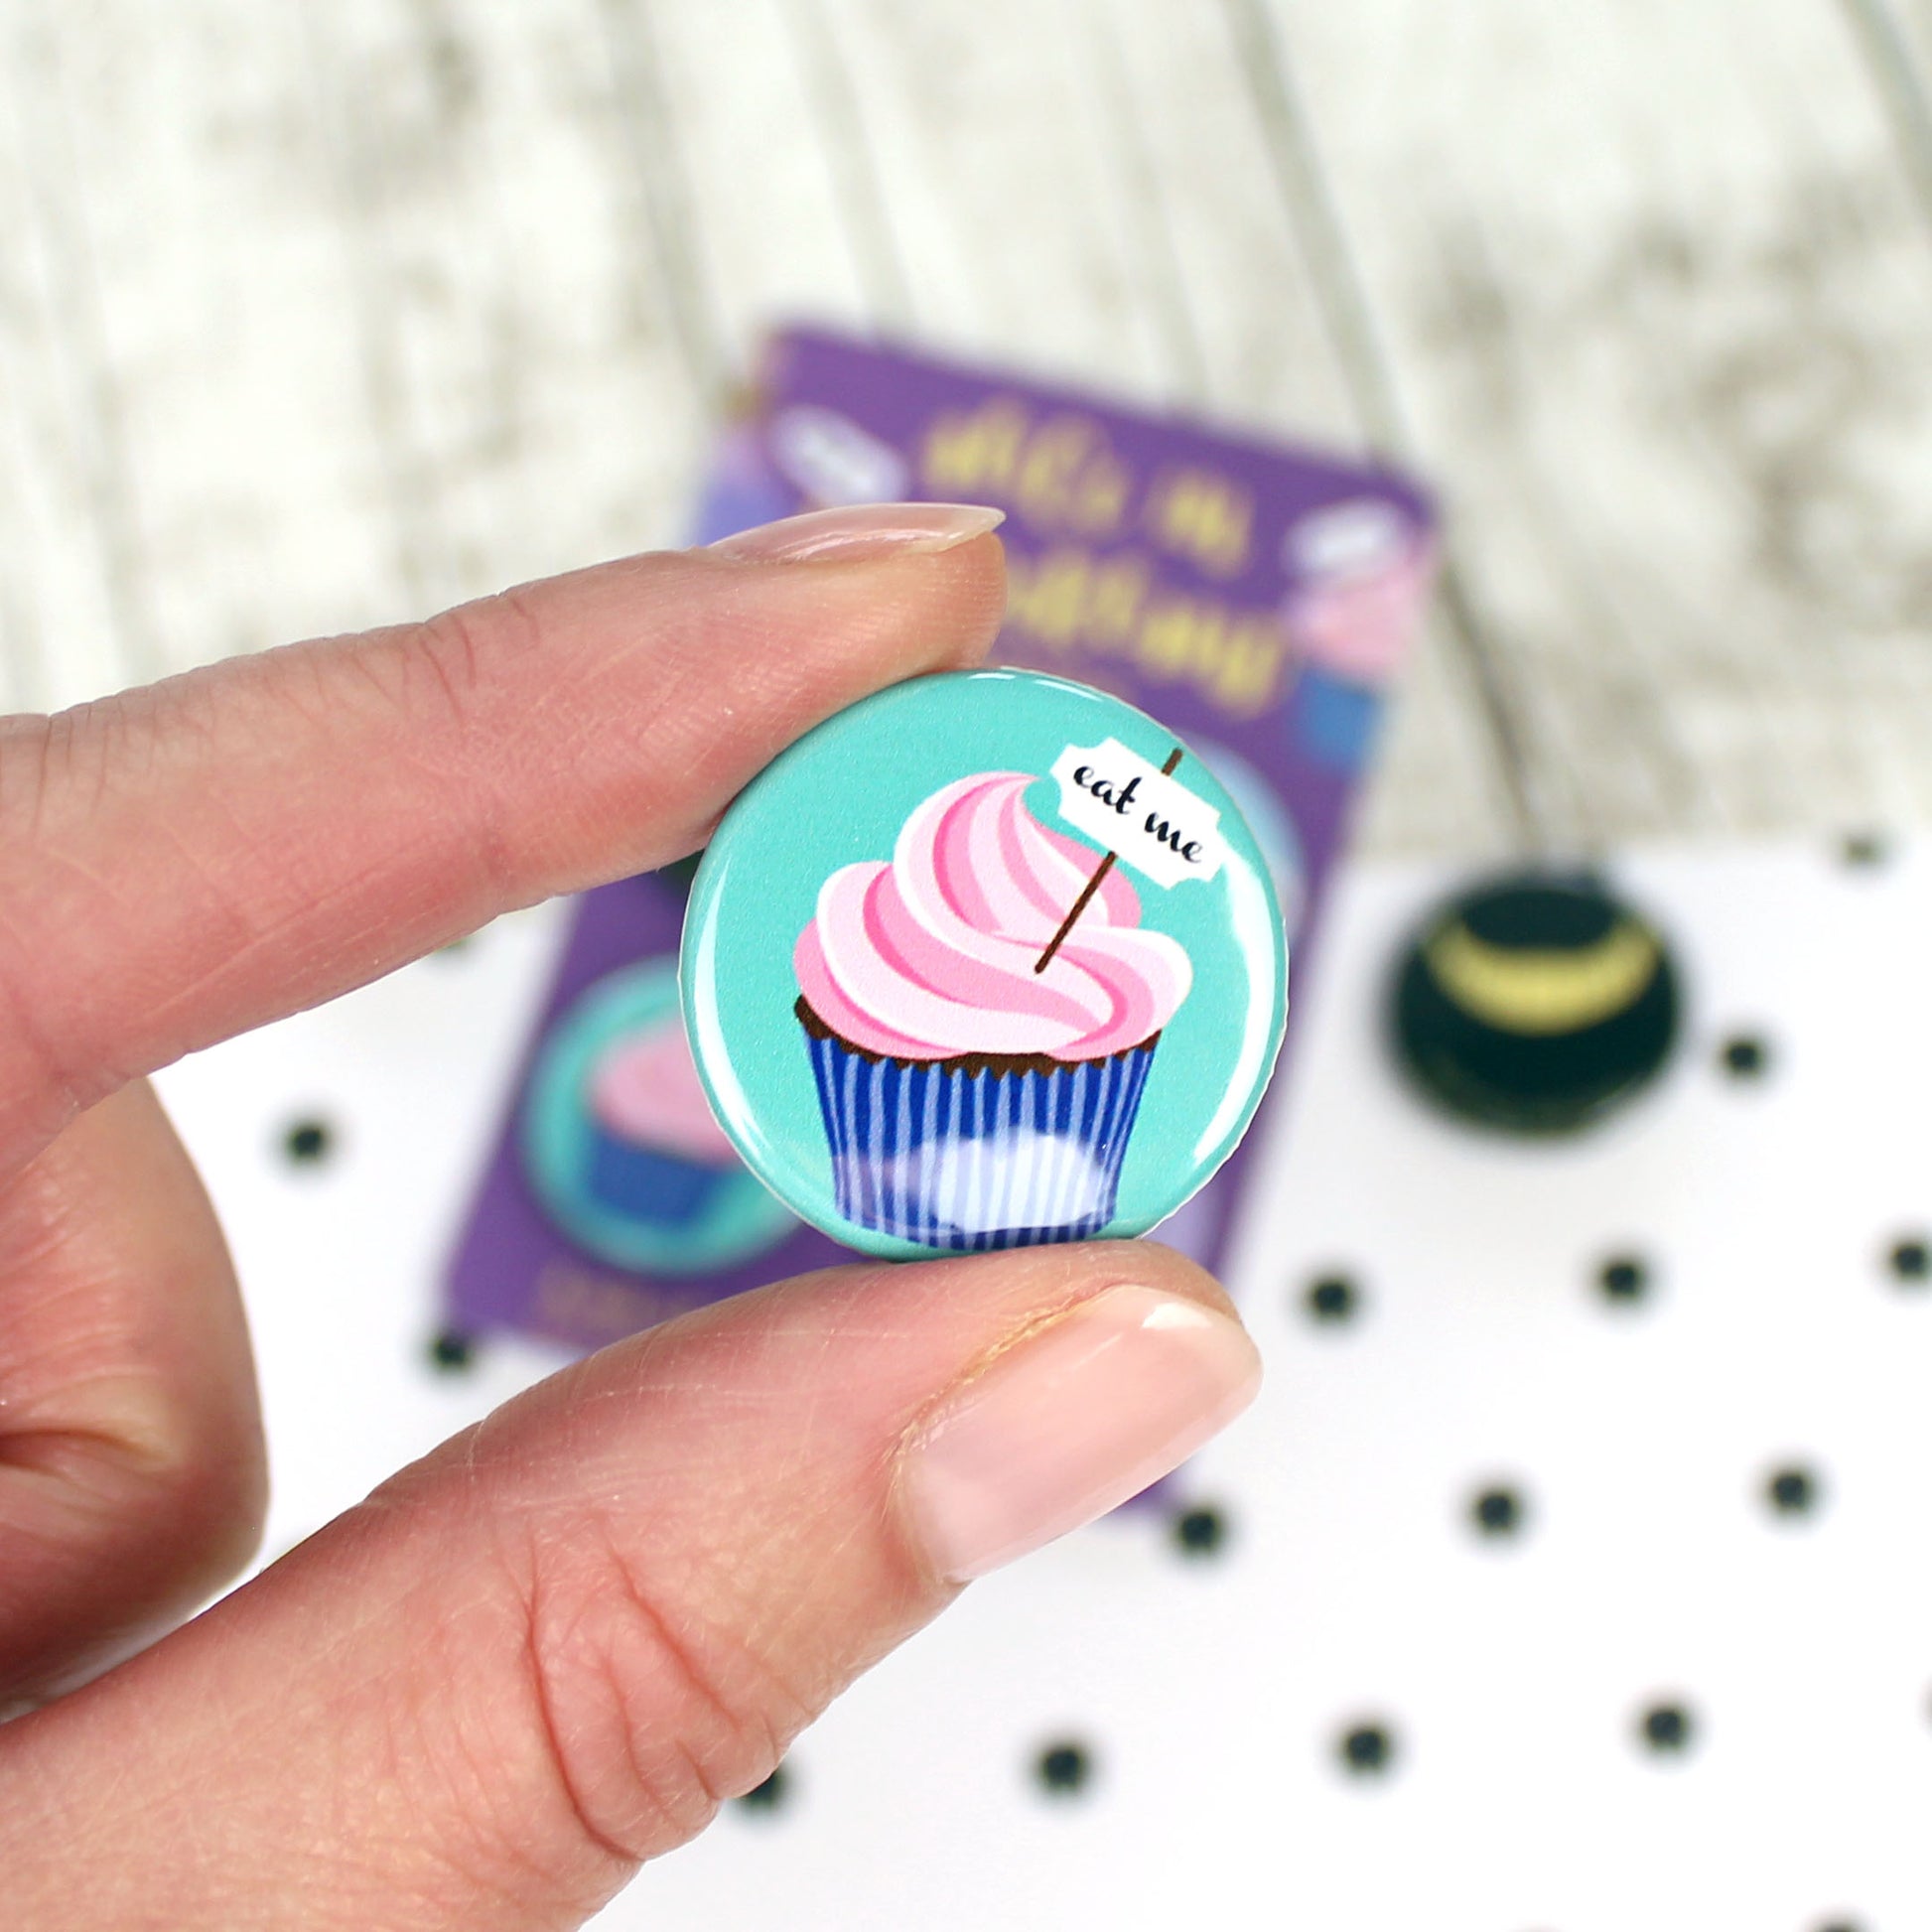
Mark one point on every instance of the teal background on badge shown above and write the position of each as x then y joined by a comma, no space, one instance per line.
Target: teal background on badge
741,1221
841,795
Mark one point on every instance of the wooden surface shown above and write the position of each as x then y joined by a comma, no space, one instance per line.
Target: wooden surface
316,315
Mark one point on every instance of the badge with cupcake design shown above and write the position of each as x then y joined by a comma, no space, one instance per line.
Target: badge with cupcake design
620,1143
986,961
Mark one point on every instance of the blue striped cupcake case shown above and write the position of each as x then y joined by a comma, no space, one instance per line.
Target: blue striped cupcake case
966,1157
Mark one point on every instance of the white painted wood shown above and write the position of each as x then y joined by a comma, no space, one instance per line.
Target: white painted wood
995,193
77,616
1656,298
1200,223
1241,338
535,340
377,314
785,208
322,315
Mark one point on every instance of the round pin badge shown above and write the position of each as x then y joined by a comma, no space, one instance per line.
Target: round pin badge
621,1147
1536,1003
988,960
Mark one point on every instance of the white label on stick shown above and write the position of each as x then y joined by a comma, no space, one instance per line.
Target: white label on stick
1132,808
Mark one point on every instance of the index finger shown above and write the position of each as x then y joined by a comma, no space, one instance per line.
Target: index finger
183,862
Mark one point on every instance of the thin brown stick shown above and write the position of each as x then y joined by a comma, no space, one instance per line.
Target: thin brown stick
1080,905
1092,886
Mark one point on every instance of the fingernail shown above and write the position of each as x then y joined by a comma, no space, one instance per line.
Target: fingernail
1071,1422
860,531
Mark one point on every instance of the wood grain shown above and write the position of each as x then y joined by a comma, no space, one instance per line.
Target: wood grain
1660,330
320,315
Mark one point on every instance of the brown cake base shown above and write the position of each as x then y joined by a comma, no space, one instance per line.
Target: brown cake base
968,1063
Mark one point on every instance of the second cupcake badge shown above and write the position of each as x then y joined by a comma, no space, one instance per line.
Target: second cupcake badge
988,960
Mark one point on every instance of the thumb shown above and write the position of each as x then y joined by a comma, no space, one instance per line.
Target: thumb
548,1651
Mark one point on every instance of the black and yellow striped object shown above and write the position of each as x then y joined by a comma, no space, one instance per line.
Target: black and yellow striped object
1535,1003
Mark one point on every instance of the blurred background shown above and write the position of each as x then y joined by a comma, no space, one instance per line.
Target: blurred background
314,317
1573,1574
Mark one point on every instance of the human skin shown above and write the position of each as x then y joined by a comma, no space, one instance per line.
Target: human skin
548,1651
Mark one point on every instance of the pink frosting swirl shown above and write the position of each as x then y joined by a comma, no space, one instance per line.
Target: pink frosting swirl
932,955
1358,625
646,1090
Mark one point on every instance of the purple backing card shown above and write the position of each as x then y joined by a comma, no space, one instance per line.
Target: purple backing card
1253,597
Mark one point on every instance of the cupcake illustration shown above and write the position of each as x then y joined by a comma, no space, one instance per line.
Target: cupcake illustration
655,1151
980,1061
1362,572
620,1146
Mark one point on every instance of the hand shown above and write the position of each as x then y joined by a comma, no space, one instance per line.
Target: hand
547,1651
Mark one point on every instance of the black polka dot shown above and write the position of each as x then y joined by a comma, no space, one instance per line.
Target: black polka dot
1837,1925
1667,1728
1910,1259
308,1142
1332,1299
1063,1768
451,1351
1366,1750
1200,1532
1863,850
1624,1280
1744,1056
768,1796
1792,1490
1497,1513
